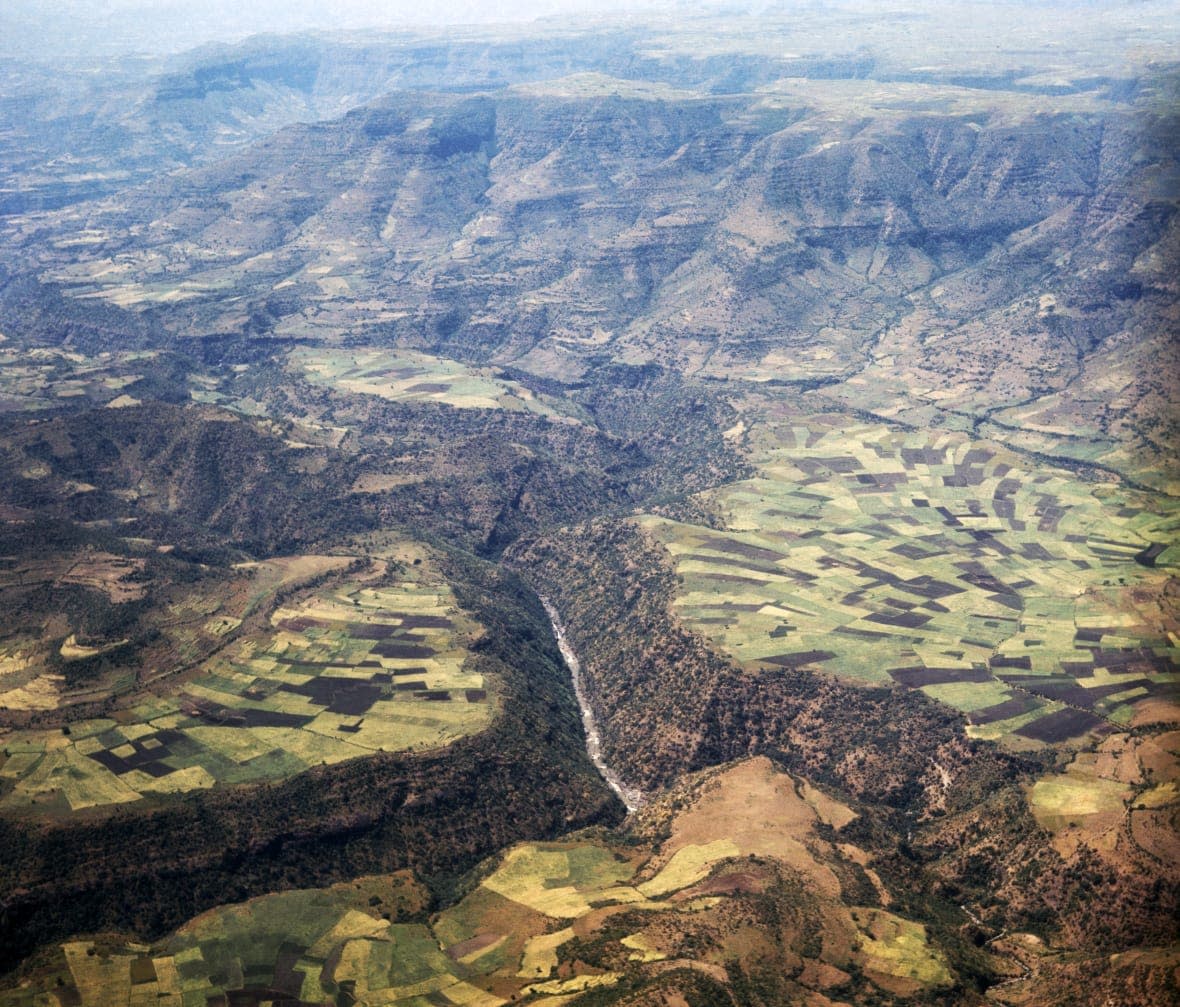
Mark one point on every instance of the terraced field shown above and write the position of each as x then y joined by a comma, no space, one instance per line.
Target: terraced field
373,665
1123,795
1037,604
189,622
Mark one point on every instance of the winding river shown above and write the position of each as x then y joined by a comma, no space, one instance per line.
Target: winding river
631,797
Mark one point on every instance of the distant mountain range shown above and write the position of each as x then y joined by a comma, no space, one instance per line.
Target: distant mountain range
815,370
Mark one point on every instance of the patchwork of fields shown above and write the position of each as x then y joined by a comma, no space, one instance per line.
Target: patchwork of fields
44,376
1121,796
522,932
410,376
1037,604
188,620
365,667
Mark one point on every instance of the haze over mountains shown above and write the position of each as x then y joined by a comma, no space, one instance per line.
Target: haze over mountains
816,367
93,30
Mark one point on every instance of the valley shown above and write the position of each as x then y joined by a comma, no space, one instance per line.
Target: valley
666,512
630,797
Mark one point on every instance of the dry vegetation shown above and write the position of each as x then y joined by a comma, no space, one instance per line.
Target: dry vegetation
546,920
819,369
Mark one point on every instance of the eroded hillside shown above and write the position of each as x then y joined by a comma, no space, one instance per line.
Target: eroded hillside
817,370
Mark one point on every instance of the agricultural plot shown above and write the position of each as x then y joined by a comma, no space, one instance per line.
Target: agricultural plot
1034,603
514,936
117,577
898,948
45,377
1122,795
185,623
410,376
134,281
366,667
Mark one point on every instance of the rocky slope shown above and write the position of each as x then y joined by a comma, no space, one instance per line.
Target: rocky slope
520,296
891,237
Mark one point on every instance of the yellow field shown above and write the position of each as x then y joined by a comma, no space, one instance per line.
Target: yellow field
688,865
1070,797
40,693
408,375
527,876
899,947
376,663
540,953
501,942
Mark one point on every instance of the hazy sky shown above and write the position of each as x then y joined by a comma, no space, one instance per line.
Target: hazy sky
35,28
85,33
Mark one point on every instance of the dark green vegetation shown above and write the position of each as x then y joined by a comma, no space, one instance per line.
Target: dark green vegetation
145,871
827,390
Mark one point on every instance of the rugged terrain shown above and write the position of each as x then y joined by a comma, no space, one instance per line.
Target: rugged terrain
817,370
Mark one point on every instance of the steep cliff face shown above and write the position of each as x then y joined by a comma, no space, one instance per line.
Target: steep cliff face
945,816
915,236
826,385
652,671
437,811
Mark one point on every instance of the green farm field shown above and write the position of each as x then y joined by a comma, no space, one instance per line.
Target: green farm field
547,920
44,377
376,663
410,376
1035,603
